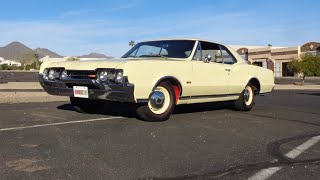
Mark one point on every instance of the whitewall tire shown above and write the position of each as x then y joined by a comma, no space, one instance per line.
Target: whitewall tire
246,99
160,105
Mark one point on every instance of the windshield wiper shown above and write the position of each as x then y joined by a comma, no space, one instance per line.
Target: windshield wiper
154,55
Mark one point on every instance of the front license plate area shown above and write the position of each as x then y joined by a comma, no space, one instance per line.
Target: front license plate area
80,91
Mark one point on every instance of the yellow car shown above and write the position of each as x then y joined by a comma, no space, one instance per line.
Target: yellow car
158,75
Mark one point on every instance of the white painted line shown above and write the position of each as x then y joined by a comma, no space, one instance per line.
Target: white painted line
303,147
59,123
267,173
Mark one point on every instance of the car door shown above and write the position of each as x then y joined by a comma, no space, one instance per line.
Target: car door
212,77
234,72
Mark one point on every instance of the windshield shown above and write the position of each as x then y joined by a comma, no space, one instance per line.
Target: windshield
165,49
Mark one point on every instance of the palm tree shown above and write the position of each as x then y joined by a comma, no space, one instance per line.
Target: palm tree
131,43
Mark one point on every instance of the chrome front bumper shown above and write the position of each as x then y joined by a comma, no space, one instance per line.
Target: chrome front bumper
113,92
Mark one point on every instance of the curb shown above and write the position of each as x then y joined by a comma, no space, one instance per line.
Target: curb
22,90
296,87
20,85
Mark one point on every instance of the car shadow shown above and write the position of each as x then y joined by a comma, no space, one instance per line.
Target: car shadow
311,94
129,110
203,107
113,109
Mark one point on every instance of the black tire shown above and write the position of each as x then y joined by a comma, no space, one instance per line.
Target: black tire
144,111
84,105
243,104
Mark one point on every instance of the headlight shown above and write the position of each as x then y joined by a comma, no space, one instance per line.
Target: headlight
45,74
110,76
52,75
119,78
64,74
103,76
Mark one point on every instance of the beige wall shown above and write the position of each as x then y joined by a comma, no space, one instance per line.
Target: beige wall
278,55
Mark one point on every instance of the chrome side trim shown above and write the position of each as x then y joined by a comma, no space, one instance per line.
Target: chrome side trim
206,96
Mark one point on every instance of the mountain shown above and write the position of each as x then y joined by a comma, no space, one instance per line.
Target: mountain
95,55
20,52
14,50
46,52
17,50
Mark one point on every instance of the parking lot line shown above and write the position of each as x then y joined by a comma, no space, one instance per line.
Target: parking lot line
267,173
59,123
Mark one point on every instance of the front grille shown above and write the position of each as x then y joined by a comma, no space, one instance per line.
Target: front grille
90,86
81,74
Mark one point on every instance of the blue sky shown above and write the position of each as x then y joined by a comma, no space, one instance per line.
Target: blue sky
75,27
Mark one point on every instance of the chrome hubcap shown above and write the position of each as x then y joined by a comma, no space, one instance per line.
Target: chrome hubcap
157,99
246,94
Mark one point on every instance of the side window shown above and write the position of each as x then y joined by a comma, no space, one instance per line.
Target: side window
227,57
198,56
213,50
163,52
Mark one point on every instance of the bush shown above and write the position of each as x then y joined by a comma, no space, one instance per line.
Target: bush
15,68
4,67
35,65
307,65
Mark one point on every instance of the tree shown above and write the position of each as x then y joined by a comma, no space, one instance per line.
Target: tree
307,65
28,58
132,43
37,61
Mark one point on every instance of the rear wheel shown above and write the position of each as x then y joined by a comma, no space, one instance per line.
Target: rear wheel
160,105
84,105
246,100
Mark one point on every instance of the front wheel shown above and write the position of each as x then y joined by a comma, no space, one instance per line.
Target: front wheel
246,99
160,105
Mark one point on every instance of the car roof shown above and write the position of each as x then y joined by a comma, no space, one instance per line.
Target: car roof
191,39
238,57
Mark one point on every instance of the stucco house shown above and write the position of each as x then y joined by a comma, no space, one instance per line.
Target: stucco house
9,62
276,58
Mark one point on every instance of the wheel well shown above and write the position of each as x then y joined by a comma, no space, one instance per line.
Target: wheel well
175,84
255,82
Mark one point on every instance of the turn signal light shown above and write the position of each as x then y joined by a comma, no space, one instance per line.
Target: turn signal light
92,76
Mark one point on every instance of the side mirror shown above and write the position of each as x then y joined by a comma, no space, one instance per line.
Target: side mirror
207,58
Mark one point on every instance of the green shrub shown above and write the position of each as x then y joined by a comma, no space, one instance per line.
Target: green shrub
4,67
307,65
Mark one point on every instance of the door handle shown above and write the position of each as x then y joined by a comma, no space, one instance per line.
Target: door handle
227,70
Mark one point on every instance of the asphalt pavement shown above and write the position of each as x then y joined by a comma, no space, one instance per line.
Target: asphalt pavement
204,141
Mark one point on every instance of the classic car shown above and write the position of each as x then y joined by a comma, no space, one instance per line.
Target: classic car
158,75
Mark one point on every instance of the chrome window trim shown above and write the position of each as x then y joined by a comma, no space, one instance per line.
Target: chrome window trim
228,51
195,52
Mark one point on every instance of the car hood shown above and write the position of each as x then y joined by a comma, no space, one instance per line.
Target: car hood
94,64
88,64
